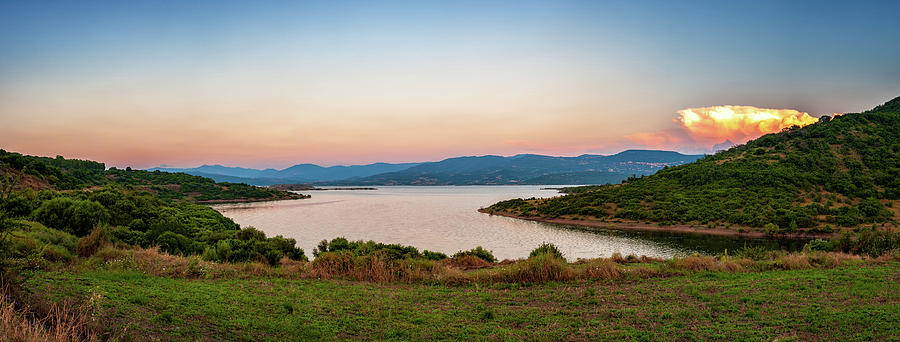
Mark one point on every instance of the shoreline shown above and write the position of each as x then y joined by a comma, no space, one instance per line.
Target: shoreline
678,228
249,200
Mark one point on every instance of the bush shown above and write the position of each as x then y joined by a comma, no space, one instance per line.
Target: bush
287,247
361,248
818,245
55,253
177,244
128,236
74,216
753,252
869,241
478,252
32,239
433,255
547,249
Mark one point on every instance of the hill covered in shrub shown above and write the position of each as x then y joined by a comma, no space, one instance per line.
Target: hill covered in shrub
37,173
47,224
839,172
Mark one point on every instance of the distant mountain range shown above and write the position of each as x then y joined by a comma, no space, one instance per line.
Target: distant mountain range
300,173
472,170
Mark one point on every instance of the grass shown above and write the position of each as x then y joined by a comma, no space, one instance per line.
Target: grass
43,321
851,302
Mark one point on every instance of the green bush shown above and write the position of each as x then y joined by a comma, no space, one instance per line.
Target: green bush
128,236
753,252
74,216
819,245
361,248
28,239
478,252
869,241
252,248
546,249
433,255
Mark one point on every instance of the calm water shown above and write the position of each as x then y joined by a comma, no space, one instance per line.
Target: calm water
445,219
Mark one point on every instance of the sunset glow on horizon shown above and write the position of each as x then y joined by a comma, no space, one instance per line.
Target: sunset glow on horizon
144,84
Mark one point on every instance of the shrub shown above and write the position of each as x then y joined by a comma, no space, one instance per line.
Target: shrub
547,249
477,252
288,247
818,245
360,248
869,241
55,253
433,255
753,252
73,216
128,236
177,244
771,228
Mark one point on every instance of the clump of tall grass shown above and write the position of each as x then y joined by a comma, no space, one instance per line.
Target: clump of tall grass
596,269
97,239
467,262
709,263
631,258
376,267
540,268
45,321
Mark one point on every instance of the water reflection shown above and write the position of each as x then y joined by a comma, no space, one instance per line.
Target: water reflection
445,219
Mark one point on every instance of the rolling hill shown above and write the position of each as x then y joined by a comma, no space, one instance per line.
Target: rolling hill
471,170
839,172
40,173
300,173
529,169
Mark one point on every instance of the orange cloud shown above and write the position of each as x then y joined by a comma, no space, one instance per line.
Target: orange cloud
737,123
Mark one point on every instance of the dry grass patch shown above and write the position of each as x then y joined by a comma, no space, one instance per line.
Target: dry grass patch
96,240
469,262
708,263
597,269
46,321
541,268
376,268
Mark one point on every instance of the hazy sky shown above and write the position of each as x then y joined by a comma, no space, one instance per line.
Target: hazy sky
272,84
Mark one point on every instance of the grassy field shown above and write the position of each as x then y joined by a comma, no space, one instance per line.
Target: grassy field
855,302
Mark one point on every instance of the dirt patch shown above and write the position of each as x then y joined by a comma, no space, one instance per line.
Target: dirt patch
25,181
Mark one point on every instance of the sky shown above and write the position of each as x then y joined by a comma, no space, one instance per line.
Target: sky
273,84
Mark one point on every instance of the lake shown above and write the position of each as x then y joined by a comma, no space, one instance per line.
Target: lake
445,219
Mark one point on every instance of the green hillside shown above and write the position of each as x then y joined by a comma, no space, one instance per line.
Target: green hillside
52,210
840,172
38,173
